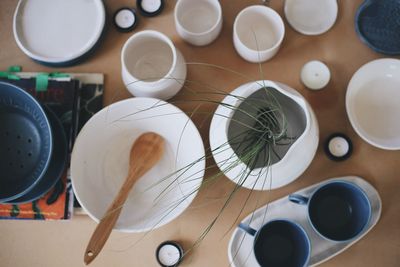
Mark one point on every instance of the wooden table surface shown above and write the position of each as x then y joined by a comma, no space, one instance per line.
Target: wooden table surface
54,243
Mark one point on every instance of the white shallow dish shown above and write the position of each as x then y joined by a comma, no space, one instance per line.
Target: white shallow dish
311,17
100,156
58,32
240,249
373,103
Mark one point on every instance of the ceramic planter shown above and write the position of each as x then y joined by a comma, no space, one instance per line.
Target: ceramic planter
291,160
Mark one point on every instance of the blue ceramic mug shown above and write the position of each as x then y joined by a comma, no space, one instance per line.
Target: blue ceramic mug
280,243
338,210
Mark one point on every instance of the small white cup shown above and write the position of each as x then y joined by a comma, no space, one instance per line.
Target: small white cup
199,22
258,32
152,66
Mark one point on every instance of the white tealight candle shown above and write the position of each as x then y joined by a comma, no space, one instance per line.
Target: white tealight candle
169,255
338,146
125,19
151,6
315,75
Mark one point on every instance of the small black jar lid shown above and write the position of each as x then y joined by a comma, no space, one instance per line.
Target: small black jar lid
125,19
338,147
169,254
150,8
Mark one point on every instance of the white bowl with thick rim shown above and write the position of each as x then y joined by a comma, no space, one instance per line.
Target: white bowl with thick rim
258,33
58,32
373,103
100,158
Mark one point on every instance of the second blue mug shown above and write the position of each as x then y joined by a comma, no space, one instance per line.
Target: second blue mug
338,210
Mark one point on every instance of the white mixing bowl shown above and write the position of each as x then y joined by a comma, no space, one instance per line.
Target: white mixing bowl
100,157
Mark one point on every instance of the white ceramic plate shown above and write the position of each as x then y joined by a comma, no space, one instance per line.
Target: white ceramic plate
58,31
100,156
373,103
311,17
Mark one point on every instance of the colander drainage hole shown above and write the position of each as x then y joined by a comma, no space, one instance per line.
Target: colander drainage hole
29,154
29,140
18,137
18,151
21,166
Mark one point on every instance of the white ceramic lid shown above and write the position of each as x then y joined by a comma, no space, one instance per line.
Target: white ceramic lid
55,31
311,17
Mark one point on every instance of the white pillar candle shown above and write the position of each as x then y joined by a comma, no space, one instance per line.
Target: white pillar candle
315,75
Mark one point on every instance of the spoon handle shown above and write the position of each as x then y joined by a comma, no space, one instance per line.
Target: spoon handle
104,228
145,153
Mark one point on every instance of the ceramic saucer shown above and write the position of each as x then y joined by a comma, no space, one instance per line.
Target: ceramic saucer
58,32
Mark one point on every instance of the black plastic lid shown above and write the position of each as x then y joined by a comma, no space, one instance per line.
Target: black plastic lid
330,154
125,19
150,8
172,243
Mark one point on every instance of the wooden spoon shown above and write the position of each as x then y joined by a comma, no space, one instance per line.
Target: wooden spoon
145,153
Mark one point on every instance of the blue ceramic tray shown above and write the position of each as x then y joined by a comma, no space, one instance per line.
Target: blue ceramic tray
240,250
377,24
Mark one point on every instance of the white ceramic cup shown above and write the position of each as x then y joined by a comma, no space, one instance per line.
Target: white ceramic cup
258,32
198,22
152,66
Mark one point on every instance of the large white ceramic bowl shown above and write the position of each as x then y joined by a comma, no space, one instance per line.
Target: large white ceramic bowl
296,159
100,163
373,103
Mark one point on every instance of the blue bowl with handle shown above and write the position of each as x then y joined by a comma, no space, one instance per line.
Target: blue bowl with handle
377,23
26,142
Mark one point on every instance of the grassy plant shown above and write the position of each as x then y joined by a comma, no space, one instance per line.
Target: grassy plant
265,127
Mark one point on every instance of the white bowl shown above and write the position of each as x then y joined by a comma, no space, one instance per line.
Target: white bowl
373,103
152,66
296,159
100,156
258,33
198,22
311,17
